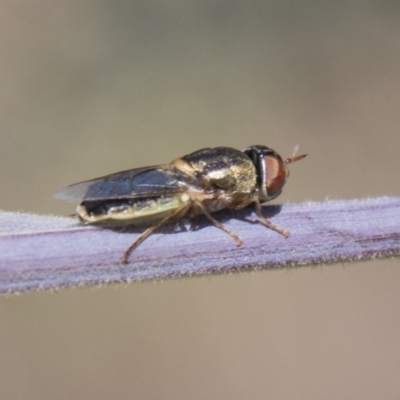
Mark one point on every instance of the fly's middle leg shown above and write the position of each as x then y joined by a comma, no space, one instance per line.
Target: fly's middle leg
232,234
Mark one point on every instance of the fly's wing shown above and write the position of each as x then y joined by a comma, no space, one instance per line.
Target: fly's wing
141,182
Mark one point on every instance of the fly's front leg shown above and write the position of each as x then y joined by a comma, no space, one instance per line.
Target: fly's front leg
267,222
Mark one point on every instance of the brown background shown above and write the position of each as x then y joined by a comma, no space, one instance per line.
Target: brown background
92,87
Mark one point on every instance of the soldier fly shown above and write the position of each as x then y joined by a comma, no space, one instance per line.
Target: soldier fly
202,182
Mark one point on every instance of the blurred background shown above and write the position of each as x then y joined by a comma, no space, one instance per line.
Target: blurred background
93,87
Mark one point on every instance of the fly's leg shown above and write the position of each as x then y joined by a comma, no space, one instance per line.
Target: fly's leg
232,234
180,210
267,222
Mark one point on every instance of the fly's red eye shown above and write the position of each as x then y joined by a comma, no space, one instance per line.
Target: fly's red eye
276,174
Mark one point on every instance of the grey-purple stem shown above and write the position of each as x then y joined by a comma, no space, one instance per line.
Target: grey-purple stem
45,252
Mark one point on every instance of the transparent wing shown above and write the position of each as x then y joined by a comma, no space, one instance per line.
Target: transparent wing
140,182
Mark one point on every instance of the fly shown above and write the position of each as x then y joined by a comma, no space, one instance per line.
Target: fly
202,182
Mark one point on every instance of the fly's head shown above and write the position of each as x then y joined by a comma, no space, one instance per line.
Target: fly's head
272,170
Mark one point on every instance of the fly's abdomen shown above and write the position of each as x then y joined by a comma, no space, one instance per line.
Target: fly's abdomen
129,211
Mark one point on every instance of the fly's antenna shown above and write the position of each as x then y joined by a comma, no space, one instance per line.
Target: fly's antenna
293,158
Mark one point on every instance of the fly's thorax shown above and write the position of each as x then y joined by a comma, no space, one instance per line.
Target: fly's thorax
130,211
224,199
221,168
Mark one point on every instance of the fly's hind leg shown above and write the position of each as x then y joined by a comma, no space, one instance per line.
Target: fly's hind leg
180,210
267,222
232,234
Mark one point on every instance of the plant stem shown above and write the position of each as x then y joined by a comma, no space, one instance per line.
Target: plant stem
44,252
